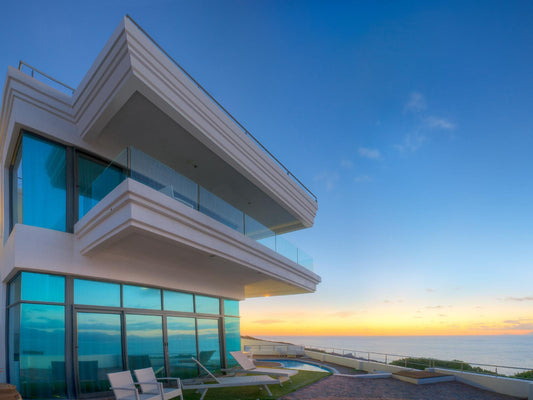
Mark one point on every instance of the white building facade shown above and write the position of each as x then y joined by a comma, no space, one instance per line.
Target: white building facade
136,214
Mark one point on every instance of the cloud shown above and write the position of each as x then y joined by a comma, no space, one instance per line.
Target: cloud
330,179
443,315
371,154
416,103
439,123
429,290
434,307
528,298
342,314
268,321
348,164
411,142
362,178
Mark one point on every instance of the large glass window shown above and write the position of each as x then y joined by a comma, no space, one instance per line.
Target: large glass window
99,350
207,305
142,297
42,351
181,333
144,335
38,287
209,343
176,301
39,184
95,181
233,338
231,307
96,293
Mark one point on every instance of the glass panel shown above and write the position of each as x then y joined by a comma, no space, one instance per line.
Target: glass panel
144,335
42,287
209,343
176,301
96,293
259,232
158,176
207,305
42,351
14,290
223,212
233,338
16,189
44,202
286,249
141,297
99,350
181,333
231,307
14,345
88,171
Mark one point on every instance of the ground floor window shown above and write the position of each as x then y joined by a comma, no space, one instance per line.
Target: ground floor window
63,341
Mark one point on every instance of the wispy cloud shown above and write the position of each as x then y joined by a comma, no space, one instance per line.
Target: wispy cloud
347,164
372,154
330,179
430,290
528,298
439,123
362,178
415,103
343,314
268,321
411,142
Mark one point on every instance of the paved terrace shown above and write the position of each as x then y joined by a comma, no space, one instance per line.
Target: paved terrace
348,388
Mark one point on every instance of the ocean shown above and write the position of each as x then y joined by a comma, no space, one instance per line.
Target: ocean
506,350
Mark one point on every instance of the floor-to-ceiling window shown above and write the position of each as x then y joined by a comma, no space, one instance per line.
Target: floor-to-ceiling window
39,185
36,335
114,327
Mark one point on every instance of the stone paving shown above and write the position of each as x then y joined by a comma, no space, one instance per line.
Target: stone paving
347,388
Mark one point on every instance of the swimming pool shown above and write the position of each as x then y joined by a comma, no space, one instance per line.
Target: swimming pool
300,365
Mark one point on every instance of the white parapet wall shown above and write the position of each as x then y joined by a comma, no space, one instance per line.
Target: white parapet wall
368,366
511,387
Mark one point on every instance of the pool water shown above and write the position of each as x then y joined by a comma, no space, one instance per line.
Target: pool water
300,365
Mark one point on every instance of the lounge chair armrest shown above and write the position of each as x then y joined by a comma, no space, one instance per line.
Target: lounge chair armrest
124,388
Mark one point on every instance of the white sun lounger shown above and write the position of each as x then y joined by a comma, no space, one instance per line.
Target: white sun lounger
249,367
234,381
124,388
149,384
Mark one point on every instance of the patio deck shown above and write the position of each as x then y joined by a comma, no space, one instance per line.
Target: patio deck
347,388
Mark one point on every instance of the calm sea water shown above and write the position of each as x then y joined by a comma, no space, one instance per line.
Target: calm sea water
515,351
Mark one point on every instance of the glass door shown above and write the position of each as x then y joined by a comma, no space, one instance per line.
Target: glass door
181,333
209,343
98,350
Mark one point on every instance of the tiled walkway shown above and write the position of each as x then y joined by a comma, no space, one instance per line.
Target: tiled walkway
345,388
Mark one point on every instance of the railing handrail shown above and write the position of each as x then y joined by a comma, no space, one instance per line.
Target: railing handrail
333,349
21,63
223,109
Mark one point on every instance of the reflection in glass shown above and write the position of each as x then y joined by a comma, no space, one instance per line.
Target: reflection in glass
233,338
231,307
14,290
89,193
144,336
177,301
96,293
41,351
14,345
208,343
220,210
207,305
181,347
99,350
41,182
16,188
141,297
42,287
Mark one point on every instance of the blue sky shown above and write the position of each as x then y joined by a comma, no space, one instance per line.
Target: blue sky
411,121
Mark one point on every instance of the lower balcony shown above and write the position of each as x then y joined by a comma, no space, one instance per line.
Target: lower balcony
136,219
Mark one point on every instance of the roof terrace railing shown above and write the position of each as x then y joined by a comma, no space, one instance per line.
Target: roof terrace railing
35,73
287,171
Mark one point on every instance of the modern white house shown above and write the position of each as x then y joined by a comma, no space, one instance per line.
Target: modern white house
136,213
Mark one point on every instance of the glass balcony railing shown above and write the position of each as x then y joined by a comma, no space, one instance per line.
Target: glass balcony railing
141,167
